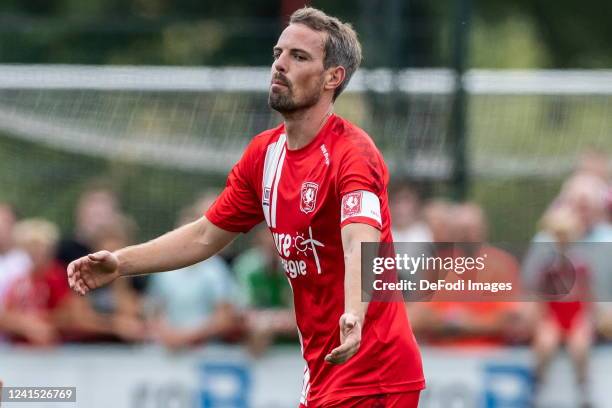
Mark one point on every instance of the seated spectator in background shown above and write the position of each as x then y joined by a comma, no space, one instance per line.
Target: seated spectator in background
568,316
408,225
195,304
470,234
471,318
437,215
265,293
411,235
42,299
604,318
39,297
97,206
118,302
15,264
584,194
609,207
594,162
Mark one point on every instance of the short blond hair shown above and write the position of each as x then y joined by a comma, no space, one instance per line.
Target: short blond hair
342,47
36,230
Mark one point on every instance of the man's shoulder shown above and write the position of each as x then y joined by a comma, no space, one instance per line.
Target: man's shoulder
348,136
346,128
351,144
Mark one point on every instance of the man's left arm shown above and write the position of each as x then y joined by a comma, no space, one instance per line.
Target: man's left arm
351,322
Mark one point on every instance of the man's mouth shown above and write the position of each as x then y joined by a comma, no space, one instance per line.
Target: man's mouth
280,82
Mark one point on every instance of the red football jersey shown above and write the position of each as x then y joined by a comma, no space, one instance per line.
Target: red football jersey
306,196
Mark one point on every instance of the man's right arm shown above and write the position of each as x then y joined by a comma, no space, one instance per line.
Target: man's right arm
176,249
184,246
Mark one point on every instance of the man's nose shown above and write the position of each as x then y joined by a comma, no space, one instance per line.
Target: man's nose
280,64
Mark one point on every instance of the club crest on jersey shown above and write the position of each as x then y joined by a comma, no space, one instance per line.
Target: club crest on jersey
309,196
351,204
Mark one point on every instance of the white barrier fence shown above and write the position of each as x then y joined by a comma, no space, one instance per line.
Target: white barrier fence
124,377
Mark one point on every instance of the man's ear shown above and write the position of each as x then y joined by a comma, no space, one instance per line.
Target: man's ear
335,77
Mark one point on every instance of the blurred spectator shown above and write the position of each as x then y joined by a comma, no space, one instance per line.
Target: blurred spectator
42,299
608,204
96,207
40,295
194,304
569,317
604,312
469,318
437,215
585,195
14,262
266,294
408,226
594,162
604,318
119,302
411,235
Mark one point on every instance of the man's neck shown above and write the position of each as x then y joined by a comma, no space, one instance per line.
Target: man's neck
303,126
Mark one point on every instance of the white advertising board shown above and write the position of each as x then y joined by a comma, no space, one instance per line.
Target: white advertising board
226,377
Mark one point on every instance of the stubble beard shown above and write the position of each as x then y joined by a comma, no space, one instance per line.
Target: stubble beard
282,102
285,103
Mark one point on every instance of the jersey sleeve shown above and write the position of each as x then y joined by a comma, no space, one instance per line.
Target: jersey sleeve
361,179
237,209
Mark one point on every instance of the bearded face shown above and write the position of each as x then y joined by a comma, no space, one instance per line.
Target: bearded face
288,99
298,74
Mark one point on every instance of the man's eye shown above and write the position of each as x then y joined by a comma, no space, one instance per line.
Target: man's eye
300,58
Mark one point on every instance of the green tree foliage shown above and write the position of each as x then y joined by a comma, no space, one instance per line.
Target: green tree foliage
215,32
576,33
178,32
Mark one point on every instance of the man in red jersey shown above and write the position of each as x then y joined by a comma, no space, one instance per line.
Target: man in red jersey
320,184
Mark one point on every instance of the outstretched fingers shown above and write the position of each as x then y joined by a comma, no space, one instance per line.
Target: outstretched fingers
343,352
74,272
70,273
76,279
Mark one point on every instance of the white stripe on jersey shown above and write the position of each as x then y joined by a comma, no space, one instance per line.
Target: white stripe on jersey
306,380
305,387
275,189
273,155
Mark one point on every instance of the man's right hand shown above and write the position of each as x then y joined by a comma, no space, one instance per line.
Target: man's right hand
92,271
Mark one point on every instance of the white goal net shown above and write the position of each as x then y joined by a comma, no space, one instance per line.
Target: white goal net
187,126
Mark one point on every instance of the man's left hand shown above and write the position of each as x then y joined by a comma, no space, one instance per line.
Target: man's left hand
350,339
